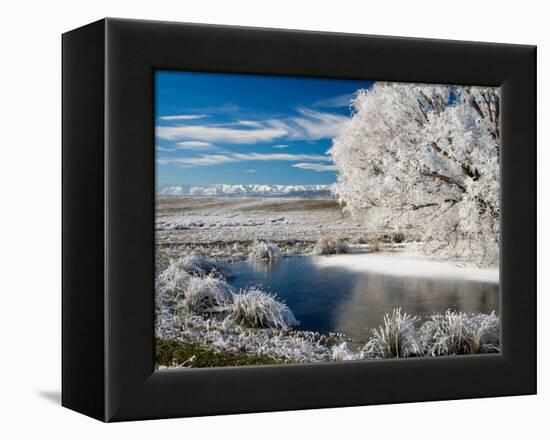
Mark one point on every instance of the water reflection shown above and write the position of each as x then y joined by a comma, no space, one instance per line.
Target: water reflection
373,295
264,266
334,299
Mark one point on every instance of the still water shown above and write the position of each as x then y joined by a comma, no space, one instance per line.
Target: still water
336,299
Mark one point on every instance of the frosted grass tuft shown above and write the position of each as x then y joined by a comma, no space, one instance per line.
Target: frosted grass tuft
396,338
341,352
204,296
200,266
329,245
173,279
264,251
255,308
460,333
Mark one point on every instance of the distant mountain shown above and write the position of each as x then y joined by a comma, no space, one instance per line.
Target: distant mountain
173,190
246,190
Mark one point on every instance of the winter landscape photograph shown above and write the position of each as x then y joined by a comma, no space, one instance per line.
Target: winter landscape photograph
305,220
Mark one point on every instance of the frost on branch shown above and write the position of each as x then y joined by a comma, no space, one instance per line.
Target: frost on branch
425,158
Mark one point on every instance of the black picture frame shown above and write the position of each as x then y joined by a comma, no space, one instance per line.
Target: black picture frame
108,219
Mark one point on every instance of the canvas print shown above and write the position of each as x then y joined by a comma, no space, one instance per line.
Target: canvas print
304,220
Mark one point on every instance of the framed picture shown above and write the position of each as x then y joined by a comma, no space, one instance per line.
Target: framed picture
261,220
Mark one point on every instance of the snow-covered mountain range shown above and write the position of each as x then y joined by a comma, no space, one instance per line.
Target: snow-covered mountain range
247,190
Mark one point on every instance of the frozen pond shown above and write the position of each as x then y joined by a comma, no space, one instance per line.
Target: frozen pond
350,294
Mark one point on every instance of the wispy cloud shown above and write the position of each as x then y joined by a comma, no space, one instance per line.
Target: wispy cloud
210,133
250,171
195,145
204,160
280,146
335,101
315,167
279,156
307,125
217,159
249,123
164,149
314,125
181,117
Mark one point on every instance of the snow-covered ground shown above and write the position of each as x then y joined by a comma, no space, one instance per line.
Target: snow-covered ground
215,222
405,262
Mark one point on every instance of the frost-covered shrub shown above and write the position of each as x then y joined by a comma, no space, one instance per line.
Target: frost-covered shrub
198,265
257,309
395,338
264,251
460,333
329,245
204,296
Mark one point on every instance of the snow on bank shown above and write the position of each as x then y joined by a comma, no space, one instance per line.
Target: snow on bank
406,265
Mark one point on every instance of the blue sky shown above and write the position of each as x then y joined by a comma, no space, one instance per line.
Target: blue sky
243,129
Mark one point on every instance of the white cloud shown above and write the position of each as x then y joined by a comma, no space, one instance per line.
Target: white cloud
216,159
181,117
308,125
164,149
278,156
208,133
315,167
195,145
314,125
335,101
250,171
280,146
249,123
204,160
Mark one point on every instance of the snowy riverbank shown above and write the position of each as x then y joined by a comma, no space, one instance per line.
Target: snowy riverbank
405,263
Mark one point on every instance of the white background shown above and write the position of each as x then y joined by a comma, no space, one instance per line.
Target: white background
30,242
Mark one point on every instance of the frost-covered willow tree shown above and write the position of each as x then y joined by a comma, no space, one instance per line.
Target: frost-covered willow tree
424,160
